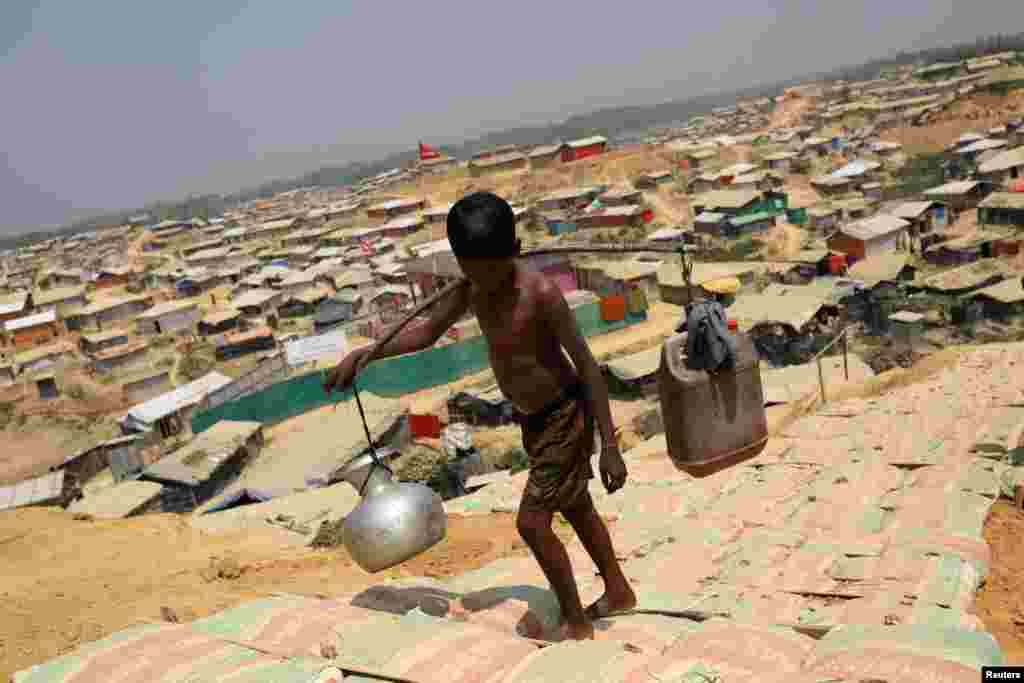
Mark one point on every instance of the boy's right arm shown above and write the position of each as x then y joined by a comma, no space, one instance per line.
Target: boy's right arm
415,338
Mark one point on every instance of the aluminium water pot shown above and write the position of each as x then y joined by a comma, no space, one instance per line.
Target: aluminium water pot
394,521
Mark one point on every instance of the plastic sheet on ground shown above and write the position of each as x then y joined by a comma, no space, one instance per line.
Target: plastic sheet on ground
865,650
580,662
512,596
994,437
163,654
438,650
286,622
732,650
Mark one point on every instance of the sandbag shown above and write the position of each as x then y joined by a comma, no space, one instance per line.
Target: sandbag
169,652
511,596
287,622
733,652
911,653
593,661
429,650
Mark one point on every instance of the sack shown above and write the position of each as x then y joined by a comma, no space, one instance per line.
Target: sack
456,437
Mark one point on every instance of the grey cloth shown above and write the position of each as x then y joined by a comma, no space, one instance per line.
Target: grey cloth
709,345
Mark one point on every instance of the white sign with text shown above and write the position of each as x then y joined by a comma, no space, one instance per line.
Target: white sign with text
311,349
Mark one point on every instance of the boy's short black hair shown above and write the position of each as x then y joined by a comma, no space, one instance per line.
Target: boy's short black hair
482,225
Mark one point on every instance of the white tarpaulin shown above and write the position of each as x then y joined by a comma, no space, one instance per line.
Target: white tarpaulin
309,349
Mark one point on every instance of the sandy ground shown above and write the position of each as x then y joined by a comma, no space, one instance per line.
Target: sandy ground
31,447
977,114
787,113
1000,602
68,581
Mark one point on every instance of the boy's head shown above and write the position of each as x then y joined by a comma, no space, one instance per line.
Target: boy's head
482,232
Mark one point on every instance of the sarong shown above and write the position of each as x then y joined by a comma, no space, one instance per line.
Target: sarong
559,441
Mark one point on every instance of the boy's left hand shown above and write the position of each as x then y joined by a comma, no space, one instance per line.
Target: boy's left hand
613,468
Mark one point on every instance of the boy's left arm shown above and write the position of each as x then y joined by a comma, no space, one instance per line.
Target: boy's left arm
556,311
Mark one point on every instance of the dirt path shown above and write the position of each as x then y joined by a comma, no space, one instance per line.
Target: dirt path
67,581
1000,603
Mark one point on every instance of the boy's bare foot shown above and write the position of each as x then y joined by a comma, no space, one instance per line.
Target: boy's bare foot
610,605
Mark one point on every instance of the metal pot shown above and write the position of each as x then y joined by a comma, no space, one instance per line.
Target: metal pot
394,521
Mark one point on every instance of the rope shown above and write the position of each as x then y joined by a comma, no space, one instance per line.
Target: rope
369,438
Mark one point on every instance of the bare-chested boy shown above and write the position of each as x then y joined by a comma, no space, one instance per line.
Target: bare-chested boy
529,330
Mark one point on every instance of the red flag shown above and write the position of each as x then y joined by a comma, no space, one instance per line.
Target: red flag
428,152
365,246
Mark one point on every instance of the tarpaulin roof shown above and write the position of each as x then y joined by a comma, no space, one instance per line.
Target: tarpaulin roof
188,394
855,168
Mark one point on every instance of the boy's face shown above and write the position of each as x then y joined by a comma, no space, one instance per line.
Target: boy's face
488,274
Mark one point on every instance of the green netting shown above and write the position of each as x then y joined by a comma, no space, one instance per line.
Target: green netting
391,378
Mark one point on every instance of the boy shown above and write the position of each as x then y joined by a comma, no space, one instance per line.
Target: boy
528,323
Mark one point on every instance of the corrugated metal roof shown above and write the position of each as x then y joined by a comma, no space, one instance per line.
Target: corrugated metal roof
666,234
101,305
982,146
855,168
626,210
188,394
303,277
197,460
121,350
793,306
545,150
396,204
1004,200
874,227
879,268
218,317
1004,161
952,189
907,317
118,501
752,218
13,303
44,489
499,159
31,321
402,222
254,297
726,199
574,193
1009,291
100,337
57,294
830,182
585,142
40,352
966,277
166,308
911,209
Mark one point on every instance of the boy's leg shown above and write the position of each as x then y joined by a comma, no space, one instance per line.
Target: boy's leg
593,533
535,528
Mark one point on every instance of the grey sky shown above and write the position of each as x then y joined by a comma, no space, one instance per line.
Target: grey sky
112,103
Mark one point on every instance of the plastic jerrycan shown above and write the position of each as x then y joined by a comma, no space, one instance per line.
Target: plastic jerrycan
712,420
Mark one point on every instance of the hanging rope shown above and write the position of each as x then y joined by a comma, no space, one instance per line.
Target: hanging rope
369,439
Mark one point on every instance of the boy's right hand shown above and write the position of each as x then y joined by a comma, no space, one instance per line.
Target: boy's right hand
342,375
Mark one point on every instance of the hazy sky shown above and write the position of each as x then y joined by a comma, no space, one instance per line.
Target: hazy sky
108,104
